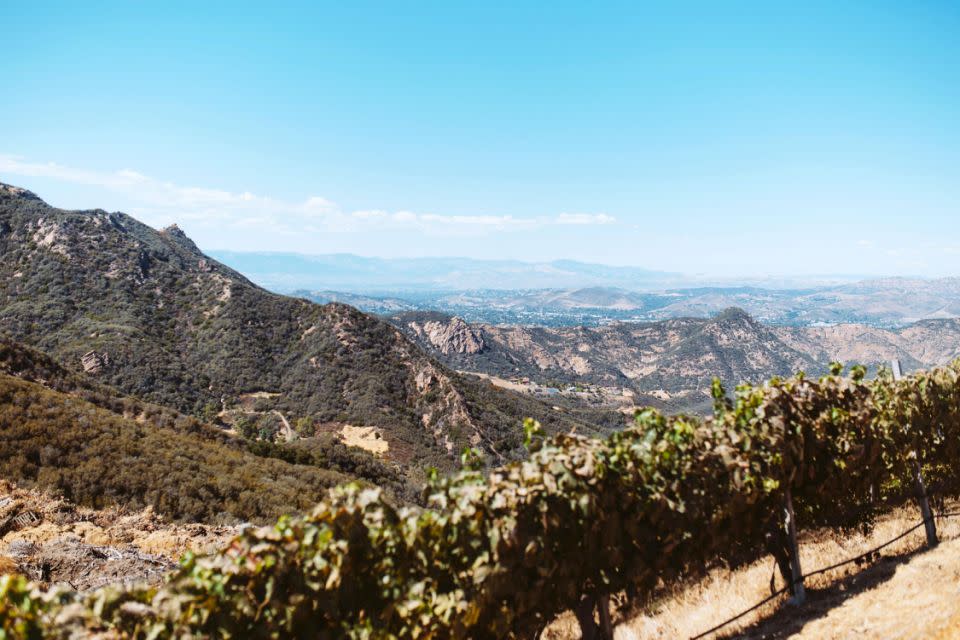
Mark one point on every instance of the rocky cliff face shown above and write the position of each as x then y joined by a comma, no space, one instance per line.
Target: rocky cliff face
453,336
677,359
670,356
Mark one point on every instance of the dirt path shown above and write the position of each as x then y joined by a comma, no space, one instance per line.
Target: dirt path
288,431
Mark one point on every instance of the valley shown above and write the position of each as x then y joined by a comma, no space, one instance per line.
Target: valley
883,303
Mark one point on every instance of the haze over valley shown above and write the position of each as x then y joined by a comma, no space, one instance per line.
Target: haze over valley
566,293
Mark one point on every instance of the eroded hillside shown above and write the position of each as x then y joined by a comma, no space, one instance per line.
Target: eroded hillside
669,363
923,344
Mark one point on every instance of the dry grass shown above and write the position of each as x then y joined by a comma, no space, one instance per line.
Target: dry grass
948,631
909,592
368,438
7,565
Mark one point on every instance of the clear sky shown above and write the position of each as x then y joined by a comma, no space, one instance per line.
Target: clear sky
705,137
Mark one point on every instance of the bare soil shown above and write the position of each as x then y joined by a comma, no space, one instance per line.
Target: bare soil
55,542
369,438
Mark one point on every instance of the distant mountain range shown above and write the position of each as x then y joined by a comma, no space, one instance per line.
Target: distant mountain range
567,292
287,272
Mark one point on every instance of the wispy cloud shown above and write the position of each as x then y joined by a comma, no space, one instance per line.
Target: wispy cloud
585,218
159,201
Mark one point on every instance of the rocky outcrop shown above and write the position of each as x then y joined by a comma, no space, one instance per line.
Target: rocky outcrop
94,363
442,407
175,234
18,192
674,357
51,235
454,336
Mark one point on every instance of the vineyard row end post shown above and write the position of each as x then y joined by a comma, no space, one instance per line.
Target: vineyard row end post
799,594
930,527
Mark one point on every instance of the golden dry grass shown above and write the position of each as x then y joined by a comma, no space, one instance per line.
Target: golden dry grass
909,592
949,631
7,565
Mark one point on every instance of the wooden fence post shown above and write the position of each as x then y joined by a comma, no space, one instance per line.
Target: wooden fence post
799,594
929,525
584,613
589,629
603,612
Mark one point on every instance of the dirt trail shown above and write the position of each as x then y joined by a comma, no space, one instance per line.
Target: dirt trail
288,431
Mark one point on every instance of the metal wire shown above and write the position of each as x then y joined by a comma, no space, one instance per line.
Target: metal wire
865,553
741,614
817,572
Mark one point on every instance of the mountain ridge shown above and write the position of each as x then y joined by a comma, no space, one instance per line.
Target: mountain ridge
288,272
672,360
170,325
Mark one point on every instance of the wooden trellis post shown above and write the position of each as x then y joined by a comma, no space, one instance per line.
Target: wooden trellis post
603,612
929,525
589,629
799,594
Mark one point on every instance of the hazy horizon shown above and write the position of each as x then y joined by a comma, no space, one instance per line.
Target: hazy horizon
722,139
787,279
288,271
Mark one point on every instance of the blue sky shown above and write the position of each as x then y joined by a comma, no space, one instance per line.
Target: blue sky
723,138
